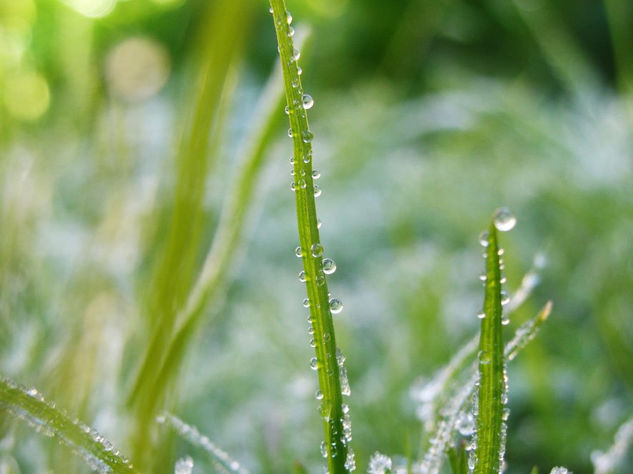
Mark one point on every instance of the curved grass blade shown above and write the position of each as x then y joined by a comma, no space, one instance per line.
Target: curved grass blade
339,457
492,392
191,434
93,448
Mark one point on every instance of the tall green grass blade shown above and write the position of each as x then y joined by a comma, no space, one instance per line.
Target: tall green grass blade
608,461
331,377
191,434
93,448
492,392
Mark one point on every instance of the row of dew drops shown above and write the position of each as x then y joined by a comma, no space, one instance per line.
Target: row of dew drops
328,266
504,221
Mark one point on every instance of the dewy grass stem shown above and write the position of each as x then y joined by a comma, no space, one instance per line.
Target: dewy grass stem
490,444
336,448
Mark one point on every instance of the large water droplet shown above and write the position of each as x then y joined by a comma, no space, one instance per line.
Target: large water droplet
336,305
307,136
308,101
317,250
329,266
504,220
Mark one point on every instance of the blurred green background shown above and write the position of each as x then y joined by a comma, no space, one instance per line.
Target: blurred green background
122,128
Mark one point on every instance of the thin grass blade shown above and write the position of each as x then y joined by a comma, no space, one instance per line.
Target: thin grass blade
331,377
94,449
492,392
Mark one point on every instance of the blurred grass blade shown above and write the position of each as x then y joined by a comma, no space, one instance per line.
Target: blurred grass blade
221,255
332,377
95,450
607,462
191,434
492,392
527,332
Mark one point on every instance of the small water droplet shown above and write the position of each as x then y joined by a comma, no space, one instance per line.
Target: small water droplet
336,305
504,220
319,223
291,32
290,132
505,299
317,250
500,252
505,320
294,83
288,17
307,136
307,158
287,110
312,343
298,251
484,357
340,357
313,363
299,70
308,101
306,303
302,183
184,466
481,315
329,266
320,281
293,186
483,238
482,277
318,395
316,174
295,55
317,190
302,276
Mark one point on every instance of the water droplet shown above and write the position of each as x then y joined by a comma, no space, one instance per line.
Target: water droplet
504,220
291,32
502,280
302,183
484,357
270,10
292,186
294,83
288,17
298,251
350,461
500,252
306,303
379,464
317,250
482,277
302,276
317,190
290,132
316,174
312,343
505,299
295,55
483,238
345,408
336,306
319,223
184,466
320,281
318,395
299,70
340,357
313,363
308,101
329,266
481,315
505,320
307,136
307,157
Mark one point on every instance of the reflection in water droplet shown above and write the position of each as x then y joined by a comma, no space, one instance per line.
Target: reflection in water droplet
504,220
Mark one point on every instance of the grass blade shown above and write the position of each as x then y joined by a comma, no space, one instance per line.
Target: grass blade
95,450
492,393
339,457
191,434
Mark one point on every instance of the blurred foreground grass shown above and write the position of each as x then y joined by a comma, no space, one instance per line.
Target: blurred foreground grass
421,131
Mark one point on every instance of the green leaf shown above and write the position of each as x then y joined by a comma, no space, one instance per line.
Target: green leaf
95,450
492,393
339,457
